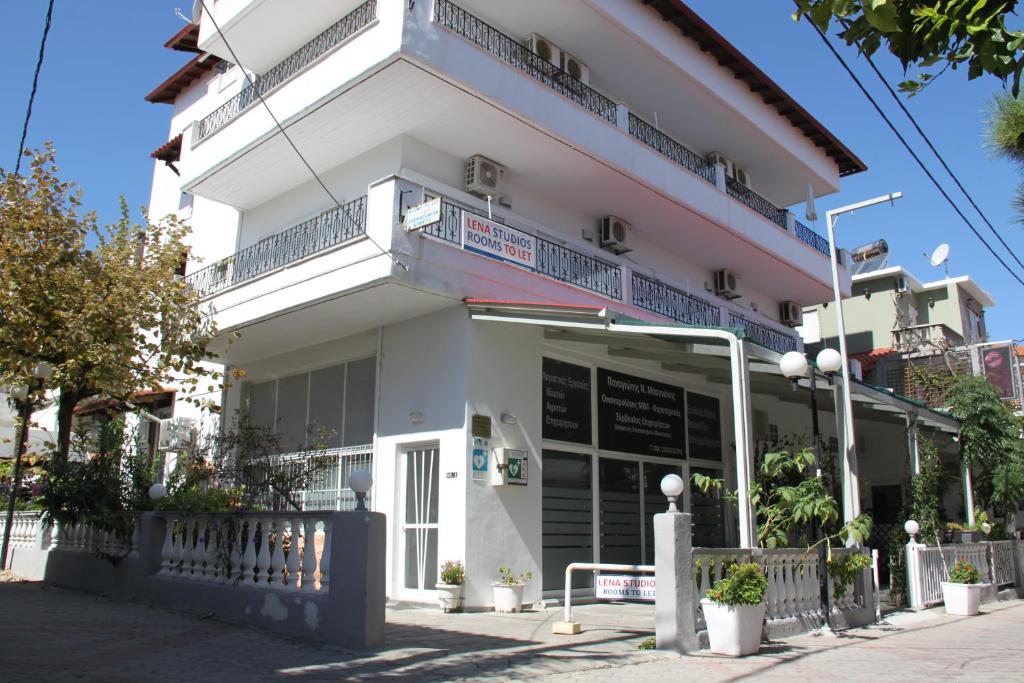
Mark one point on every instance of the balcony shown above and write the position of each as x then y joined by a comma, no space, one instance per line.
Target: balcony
335,35
607,279
330,229
932,337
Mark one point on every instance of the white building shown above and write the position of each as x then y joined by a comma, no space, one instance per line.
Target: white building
453,280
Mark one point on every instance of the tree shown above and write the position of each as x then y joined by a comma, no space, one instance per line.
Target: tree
990,438
924,33
104,306
1006,138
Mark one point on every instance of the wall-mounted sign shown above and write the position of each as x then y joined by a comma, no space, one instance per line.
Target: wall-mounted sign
636,415
423,214
495,240
704,426
566,402
997,363
481,459
480,425
515,467
624,587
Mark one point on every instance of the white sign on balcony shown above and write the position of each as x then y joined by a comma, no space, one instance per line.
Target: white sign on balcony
495,240
424,214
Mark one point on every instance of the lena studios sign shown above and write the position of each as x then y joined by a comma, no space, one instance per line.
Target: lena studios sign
624,587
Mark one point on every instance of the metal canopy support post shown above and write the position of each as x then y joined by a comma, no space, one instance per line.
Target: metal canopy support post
965,470
744,437
912,444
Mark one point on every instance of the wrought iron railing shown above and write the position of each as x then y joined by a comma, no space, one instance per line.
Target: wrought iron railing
666,146
507,49
331,228
673,303
336,34
809,237
745,195
576,268
765,336
449,227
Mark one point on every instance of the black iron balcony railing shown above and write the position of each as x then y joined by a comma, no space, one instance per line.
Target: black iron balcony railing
808,236
673,303
765,336
336,34
666,146
449,228
331,228
459,21
745,195
577,268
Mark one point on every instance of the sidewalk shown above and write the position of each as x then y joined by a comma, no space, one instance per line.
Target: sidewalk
54,634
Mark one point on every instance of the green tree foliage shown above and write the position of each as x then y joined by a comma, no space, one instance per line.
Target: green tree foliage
1006,138
103,306
926,491
989,440
926,33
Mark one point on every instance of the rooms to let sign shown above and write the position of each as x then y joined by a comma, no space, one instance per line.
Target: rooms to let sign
624,587
498,241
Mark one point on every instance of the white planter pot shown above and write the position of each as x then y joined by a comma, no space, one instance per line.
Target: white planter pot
449,597
508,597
734,629
962,599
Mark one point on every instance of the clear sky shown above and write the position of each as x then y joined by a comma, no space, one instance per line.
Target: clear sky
103,56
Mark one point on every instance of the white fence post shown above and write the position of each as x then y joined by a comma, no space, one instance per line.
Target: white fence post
674,604
914,598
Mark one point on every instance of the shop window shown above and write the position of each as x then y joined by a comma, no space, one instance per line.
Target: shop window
567,517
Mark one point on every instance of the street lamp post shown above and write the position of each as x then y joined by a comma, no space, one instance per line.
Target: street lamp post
851,487
23,395
794,365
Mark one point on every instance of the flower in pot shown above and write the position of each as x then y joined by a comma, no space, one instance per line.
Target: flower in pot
508,590
734,610
962,593
449,591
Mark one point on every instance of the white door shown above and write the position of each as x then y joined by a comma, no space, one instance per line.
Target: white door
419,528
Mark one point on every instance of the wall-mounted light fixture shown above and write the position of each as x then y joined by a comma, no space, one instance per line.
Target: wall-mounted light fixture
416,418
509,419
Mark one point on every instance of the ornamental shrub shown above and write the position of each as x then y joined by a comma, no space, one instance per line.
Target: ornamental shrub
964,572
453,573
745,584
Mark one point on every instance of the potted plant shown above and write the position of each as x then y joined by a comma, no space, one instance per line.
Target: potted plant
734,610
449,590
962,593
508,590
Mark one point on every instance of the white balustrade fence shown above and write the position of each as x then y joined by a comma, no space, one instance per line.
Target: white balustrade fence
1002,563
273,550
792,574
25,528
928,567
83,537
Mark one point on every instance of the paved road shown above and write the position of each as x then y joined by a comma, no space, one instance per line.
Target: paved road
56,635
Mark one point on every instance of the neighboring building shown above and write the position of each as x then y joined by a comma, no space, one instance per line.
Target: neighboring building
517,287
901,331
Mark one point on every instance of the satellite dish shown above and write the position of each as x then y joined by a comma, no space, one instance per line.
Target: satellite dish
940,255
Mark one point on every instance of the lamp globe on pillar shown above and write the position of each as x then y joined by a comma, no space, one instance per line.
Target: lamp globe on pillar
157,492
829,361
912,528
43,371
360,482
672,487
793,365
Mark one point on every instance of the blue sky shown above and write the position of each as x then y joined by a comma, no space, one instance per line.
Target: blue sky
103,56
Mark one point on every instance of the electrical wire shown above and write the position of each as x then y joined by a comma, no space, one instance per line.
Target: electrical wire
909,149
35,86
942,161
316,176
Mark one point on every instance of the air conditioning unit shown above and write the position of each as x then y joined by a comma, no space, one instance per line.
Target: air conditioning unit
484,177
176,434
742,176
726,284
790,313
575,68
719,158
615,234
902,286
545,49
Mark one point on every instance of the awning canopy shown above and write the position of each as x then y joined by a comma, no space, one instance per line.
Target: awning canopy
683,348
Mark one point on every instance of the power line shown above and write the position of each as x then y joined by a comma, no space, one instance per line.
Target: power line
316,176
35,85
909,149
942,161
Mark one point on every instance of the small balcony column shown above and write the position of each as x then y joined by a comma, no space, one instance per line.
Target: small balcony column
622,116
383,225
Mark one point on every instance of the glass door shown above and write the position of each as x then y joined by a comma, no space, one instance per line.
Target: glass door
420,521
567,517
